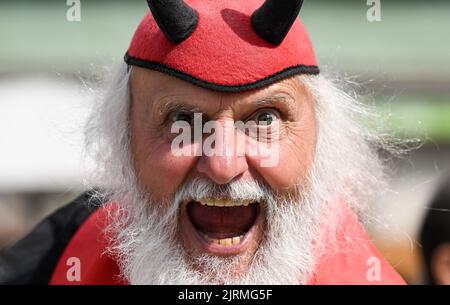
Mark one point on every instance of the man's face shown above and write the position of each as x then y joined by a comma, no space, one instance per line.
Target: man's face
213,226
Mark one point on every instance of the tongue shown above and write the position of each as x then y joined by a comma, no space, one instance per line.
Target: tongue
222,222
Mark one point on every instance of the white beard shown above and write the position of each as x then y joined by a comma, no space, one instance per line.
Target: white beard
151,253
346,167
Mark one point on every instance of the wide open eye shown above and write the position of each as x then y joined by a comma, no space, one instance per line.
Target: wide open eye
266,117
262,125
185,122
183,116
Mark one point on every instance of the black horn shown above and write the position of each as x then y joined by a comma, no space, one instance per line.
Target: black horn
273,20
175,18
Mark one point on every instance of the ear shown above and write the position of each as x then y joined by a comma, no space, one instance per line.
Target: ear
440,264
273,20
175,18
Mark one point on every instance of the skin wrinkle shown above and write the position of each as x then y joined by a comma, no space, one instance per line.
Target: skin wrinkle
175,102
229,102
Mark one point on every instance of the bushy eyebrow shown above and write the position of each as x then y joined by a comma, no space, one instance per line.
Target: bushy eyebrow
166,107
172,104
274,100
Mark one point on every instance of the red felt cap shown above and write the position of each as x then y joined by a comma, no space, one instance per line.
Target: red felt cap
220,48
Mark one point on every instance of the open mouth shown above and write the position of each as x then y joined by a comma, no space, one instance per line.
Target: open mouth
224,226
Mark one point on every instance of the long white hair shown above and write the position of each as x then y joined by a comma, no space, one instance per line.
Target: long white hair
347,167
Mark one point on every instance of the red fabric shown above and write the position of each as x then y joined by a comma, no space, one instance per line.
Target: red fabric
224,49
88,245
351,262
348,266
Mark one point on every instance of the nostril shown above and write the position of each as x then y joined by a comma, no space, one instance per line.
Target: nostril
222,170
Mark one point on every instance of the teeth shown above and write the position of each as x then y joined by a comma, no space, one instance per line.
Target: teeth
224,203
236,240
226,242
232,241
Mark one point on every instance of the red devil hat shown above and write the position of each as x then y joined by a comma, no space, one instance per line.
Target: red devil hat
224,45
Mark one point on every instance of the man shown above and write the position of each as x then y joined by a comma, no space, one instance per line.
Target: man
224,158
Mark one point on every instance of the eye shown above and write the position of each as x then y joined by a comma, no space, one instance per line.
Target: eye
183,116
266,117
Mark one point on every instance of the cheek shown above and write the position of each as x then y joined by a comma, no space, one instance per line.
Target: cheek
287,169
158,170
289,164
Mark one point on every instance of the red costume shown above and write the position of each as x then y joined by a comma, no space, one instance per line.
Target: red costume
349,265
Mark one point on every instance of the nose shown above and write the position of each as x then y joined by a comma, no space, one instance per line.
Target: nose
224,160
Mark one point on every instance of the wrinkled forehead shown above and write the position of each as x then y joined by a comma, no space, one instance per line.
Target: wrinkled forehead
148,85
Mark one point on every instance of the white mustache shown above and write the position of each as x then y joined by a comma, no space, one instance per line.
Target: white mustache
239,190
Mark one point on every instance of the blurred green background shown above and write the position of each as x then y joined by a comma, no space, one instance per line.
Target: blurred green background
402,63
405,56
